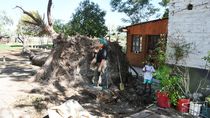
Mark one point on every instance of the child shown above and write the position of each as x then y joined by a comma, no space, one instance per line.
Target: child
148,71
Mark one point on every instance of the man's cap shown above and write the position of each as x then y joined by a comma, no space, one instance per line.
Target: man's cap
103,41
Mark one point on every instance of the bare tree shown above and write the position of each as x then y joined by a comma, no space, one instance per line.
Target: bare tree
47,28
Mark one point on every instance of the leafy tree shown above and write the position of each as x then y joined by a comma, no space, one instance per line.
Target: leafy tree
88,20
136,10
58,26
5,22
61,27
164,3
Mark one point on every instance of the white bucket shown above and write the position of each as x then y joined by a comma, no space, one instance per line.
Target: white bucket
195,108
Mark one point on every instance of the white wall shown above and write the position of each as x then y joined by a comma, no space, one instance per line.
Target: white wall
193,26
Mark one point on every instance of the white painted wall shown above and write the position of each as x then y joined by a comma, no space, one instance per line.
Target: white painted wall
193,26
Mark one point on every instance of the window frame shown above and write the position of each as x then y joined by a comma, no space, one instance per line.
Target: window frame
136,42
153,41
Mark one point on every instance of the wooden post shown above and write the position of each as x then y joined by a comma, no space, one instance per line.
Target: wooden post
4,59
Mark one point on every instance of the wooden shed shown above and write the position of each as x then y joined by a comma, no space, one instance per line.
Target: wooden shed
142,39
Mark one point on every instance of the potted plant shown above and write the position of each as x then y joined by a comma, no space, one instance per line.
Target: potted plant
173,89
207,59
183,105
206,107
180,50
174,85
162,74
164,95
183,101
205,110
170,92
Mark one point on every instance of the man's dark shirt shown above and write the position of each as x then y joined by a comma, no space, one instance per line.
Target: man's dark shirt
102,54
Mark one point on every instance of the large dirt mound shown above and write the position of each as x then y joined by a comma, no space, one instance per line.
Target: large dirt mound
71,59
68,75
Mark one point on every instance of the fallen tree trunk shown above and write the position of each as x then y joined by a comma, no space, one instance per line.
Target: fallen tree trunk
38,60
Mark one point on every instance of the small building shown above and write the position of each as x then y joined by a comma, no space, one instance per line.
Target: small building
142,39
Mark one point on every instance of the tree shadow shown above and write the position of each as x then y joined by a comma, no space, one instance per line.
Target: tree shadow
7,59
16,69
50,96
55,97
38,104
20,78
59,87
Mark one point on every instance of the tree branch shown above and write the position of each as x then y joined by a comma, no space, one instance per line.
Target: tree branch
29,22
49,17
20,38
38,21
29,14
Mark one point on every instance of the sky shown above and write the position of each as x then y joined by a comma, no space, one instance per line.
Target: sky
61,9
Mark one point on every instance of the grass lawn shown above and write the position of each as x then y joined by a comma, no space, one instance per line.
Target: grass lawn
4,47
16,46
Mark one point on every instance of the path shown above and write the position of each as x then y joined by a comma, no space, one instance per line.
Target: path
15,74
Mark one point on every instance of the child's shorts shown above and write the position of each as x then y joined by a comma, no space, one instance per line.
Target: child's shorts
146,81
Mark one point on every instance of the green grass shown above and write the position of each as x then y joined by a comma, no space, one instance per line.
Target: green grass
17,45
14,46
4,47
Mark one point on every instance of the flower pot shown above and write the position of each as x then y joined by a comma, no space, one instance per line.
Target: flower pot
163,99
183,105
195,108
205,111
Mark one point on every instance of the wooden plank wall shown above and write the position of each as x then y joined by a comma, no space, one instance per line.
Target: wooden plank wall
156,27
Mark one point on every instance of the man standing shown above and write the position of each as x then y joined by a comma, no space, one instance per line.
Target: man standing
101,62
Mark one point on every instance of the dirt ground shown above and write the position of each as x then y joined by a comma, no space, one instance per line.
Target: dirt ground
15,89
21,97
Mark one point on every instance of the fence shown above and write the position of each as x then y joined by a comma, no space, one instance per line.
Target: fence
32,42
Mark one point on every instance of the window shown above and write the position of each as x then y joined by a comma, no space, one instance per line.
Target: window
136,44
153,41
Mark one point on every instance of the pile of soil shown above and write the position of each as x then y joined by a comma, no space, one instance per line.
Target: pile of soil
72,59
69,74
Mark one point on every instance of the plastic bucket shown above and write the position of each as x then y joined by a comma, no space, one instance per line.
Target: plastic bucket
195,108
205,110
163,100
183,105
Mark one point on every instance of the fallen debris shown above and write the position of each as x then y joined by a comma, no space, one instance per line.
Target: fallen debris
69,109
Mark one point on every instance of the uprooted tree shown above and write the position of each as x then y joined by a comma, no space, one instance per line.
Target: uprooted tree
68,67
70,57
45,28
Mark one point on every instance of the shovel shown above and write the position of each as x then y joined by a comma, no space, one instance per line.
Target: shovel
121,83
